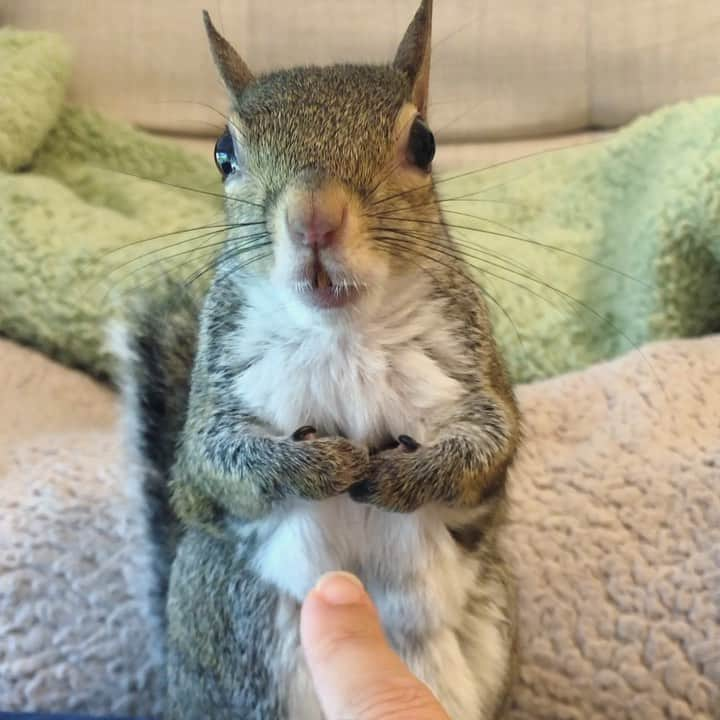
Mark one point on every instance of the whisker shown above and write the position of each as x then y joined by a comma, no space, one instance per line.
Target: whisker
470,246
475,217
112,251
520,238
468,198
417,188
393,166
382,179
462,257
495,186
194,102
155,251
246,242
402,193
509,228
235,269
176,267
222,196
534,154
493,166
217,130
567,296
227,120
389,246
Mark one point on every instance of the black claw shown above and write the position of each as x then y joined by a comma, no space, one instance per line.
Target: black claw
389,445
302,432
409,443
360,491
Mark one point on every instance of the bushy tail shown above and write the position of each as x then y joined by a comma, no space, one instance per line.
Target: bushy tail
155,345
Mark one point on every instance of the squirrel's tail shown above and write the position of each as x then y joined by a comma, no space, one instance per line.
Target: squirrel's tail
155,345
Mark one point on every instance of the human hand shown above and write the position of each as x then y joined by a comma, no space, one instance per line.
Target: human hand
356,674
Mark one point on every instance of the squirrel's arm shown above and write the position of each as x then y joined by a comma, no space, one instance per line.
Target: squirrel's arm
229,462
463,466
468,453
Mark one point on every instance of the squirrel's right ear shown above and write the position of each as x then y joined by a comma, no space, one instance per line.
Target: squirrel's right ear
413,55
234,72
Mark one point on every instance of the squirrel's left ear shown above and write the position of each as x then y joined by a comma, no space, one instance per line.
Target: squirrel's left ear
234,72
413,55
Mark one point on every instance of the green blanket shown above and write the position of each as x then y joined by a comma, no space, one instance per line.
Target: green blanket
583,253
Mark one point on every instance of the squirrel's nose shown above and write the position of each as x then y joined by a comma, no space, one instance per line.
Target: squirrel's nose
316,219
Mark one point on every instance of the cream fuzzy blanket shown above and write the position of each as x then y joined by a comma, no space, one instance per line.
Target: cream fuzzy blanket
615,538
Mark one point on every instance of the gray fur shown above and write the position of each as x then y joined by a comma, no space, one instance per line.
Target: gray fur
238,477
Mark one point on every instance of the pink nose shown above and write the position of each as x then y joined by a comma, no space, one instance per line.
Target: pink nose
316,222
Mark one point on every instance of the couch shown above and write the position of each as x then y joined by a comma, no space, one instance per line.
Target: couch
615,532
510,77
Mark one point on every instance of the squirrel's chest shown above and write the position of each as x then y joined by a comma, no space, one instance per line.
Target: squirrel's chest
367,391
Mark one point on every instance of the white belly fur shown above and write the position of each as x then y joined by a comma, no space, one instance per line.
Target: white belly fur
369,385
418,579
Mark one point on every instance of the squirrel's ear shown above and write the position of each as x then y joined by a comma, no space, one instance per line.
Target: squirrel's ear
235,73
413,55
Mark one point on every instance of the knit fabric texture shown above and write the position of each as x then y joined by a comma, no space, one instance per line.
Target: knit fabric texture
614,537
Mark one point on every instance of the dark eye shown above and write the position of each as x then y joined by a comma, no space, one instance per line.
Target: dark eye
421,145
225,155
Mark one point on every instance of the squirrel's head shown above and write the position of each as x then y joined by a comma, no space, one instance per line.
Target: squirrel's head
330,167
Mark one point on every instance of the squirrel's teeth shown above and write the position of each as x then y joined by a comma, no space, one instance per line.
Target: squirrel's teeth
322,279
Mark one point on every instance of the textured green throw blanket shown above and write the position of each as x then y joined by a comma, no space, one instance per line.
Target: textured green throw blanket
584,253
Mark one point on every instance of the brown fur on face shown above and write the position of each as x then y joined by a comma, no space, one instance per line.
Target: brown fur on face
337,120
296,119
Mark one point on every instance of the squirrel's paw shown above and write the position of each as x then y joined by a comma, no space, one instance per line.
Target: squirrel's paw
330,465
395,478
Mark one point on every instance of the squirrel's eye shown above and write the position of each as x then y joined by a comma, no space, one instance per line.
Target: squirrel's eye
225,155
421,145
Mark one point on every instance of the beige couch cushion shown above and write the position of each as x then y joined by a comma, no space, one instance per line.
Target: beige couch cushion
648,53
502,68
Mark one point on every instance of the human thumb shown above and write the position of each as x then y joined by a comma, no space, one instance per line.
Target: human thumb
356,674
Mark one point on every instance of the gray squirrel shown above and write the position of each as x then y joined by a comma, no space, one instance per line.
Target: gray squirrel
336,403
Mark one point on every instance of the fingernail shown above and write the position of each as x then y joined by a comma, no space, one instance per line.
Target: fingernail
340,588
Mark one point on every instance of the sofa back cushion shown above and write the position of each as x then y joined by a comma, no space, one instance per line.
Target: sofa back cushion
501,68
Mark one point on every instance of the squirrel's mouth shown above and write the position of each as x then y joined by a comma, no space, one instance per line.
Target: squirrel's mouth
321,280
324,290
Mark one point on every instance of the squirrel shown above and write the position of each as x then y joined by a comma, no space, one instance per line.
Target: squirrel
337,403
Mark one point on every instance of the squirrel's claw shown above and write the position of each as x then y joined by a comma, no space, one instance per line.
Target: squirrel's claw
306,432
407,443
392,483
385,495
362,491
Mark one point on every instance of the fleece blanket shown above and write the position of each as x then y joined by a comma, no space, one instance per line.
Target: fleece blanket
582,253
614,537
